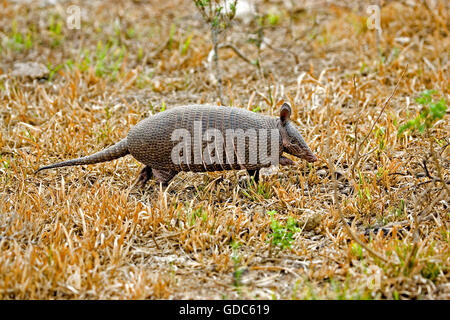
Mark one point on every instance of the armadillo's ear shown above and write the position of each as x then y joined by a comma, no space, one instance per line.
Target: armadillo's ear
285,112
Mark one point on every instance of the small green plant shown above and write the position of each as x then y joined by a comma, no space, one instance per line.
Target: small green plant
363,190
186,44
400,210
257,190
407,255
364,69
282,235
257,109
118,56
17,41
396,295
430,113
131,33
4,162
265,190
380,136
431,271
365,194
171,36
101,53
106,61
144,79
55,30
273,17
238,270
85,62
104,133
198,213
140,54
53,70
357,251
218,17
380,172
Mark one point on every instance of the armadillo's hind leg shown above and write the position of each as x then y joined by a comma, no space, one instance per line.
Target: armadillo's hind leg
254,174
145,175
163,176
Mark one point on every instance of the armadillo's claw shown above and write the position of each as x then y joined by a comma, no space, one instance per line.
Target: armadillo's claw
145,175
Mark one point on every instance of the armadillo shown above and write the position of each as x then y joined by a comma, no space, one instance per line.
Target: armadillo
152,142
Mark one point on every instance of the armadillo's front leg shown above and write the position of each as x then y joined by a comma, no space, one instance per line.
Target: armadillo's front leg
163,176
145,175
254,174
286,161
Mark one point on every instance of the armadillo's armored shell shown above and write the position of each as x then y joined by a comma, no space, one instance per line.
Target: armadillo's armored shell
152,141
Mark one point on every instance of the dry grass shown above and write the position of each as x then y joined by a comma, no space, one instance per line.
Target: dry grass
83,232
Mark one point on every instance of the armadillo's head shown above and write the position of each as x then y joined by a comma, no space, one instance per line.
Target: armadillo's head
293,142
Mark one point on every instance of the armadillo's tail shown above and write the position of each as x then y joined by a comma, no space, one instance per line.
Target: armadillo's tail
118,150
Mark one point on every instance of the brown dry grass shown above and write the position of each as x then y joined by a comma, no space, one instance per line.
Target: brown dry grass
83,232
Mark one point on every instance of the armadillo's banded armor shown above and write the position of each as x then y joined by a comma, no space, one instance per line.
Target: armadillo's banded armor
152,141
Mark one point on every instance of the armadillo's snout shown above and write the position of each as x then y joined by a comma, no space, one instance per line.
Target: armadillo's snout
302,152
